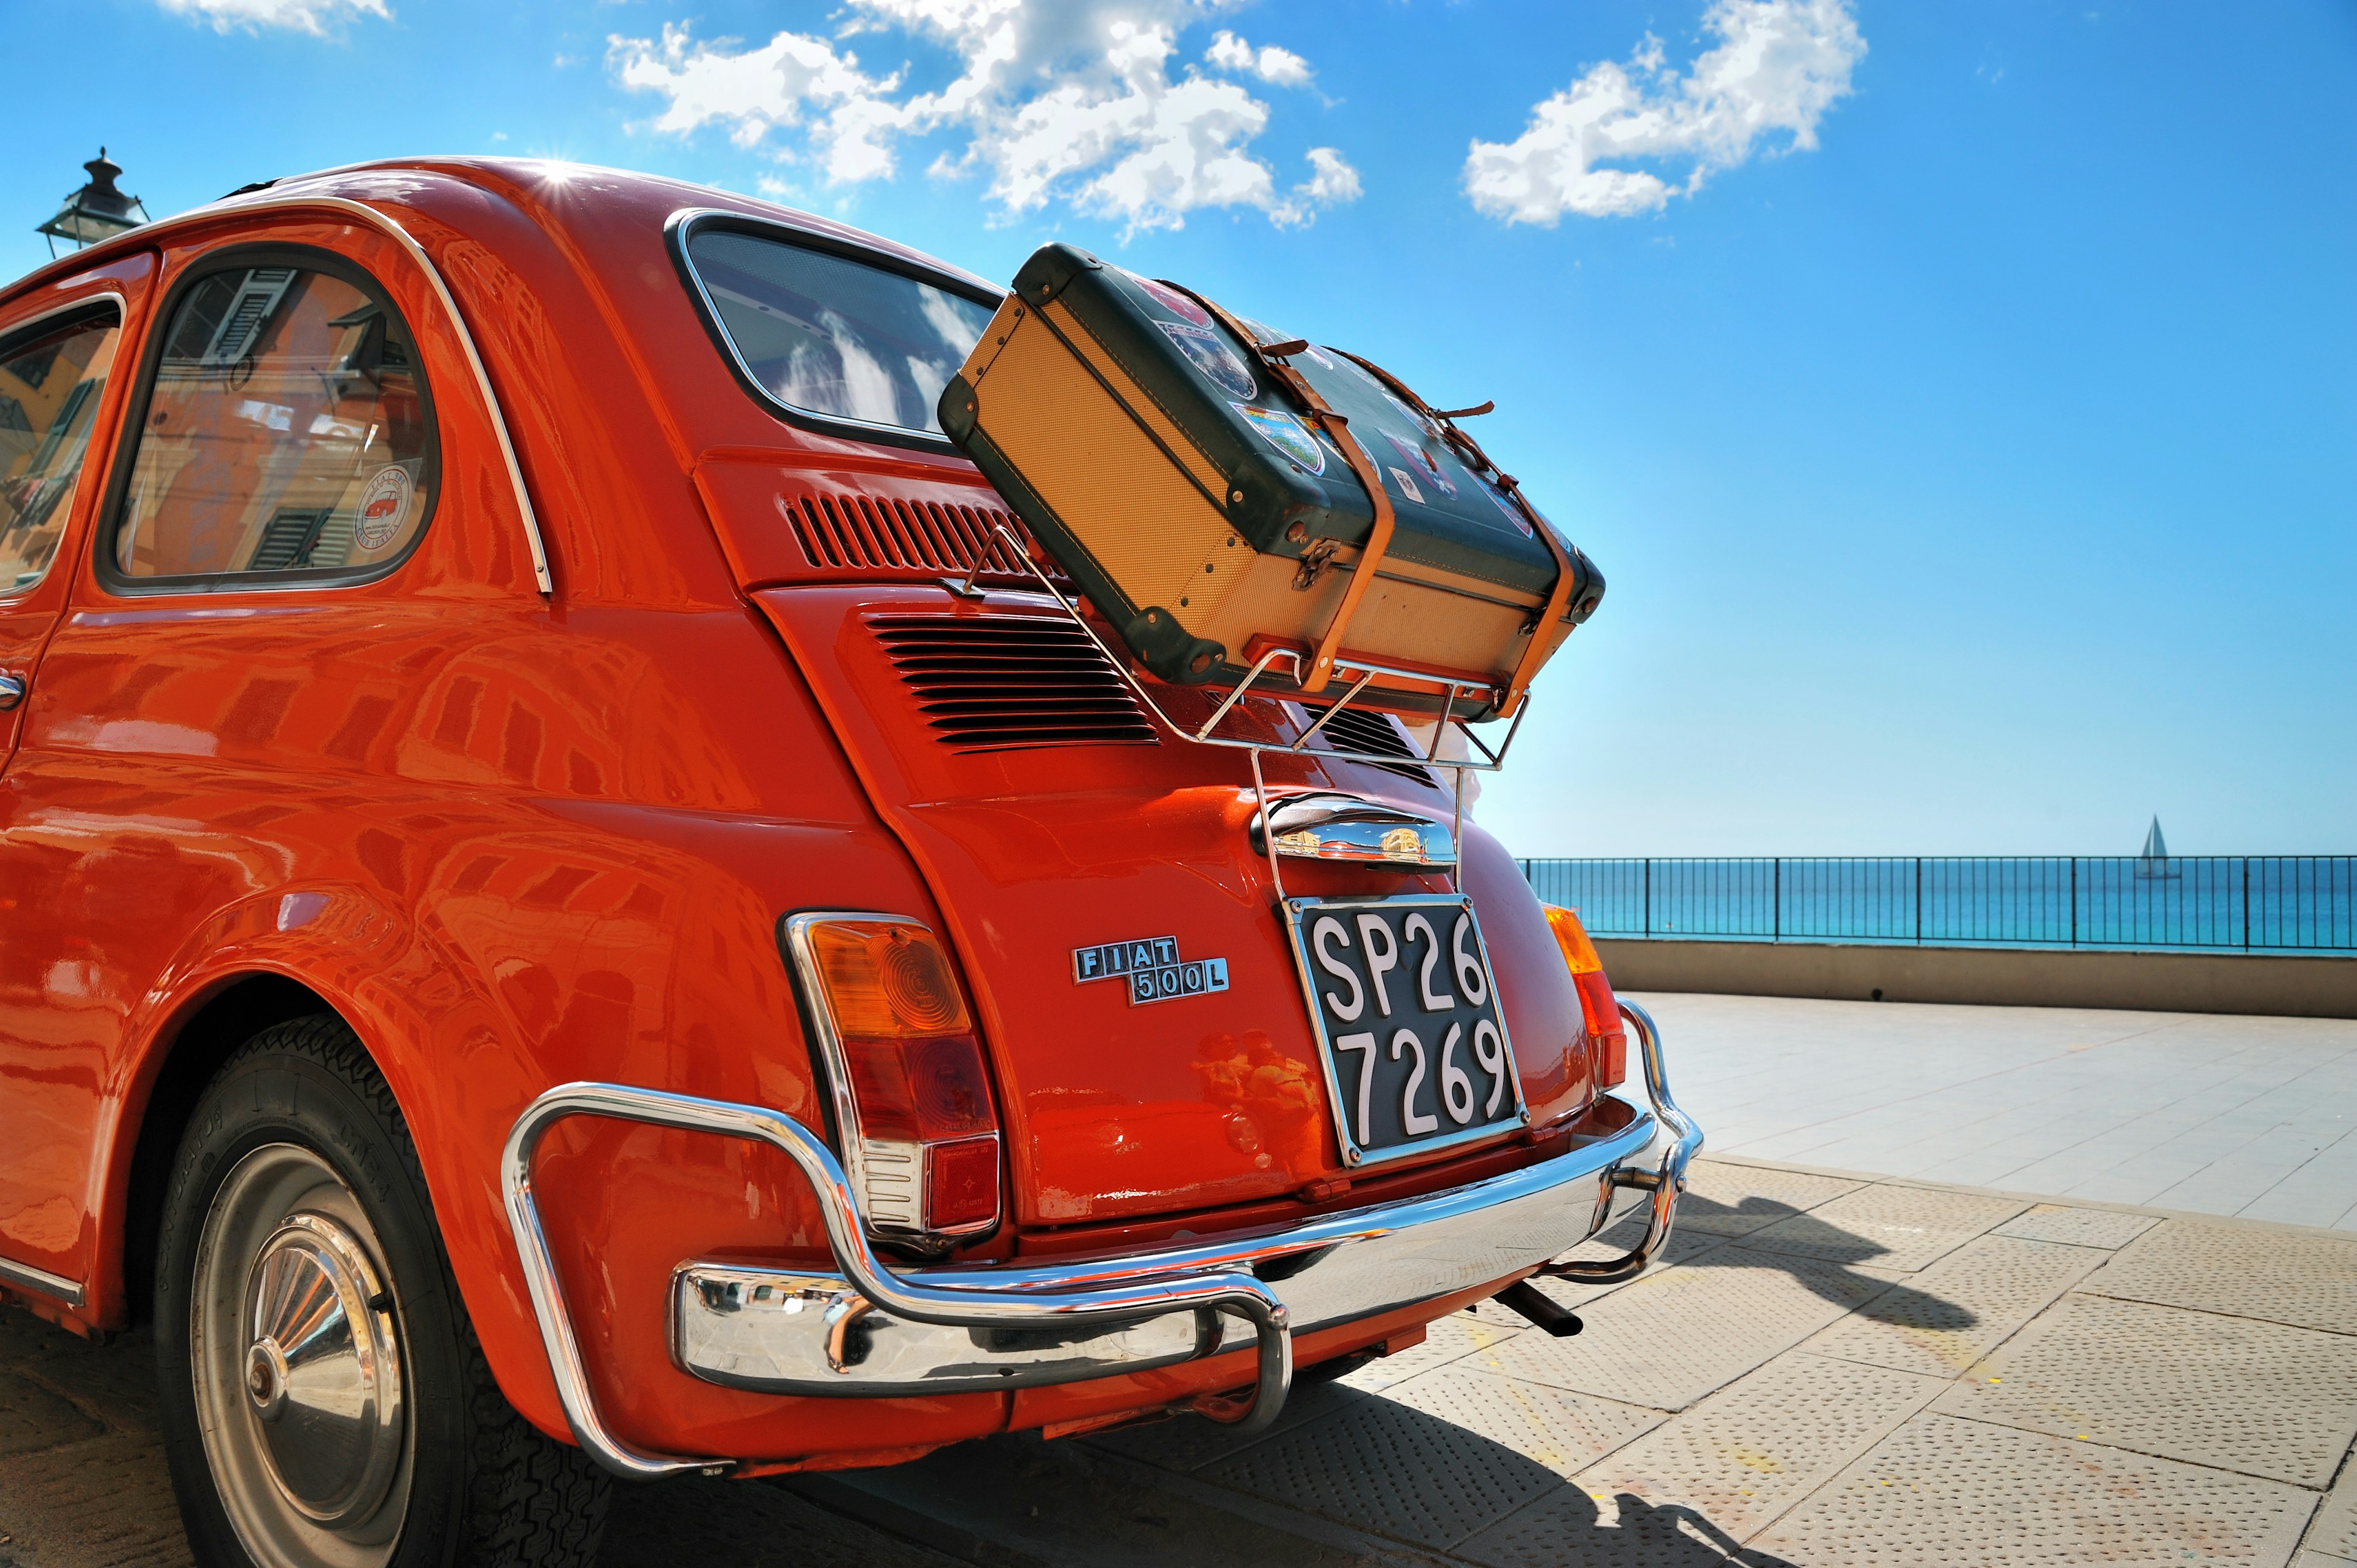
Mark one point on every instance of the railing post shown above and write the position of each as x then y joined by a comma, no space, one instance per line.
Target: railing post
2074,900
1649,895
2246,903
1919,901
1776,917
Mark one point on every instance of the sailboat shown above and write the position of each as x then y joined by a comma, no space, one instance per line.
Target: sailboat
2154,861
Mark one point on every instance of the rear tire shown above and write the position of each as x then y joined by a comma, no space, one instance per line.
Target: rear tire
324,1401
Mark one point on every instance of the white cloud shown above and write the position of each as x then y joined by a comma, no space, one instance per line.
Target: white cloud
1778,66
1278,67
1066,100
303,15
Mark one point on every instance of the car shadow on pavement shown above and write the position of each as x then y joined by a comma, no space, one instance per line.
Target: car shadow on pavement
1817,1253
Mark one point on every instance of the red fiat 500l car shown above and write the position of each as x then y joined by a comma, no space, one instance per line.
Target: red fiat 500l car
573,900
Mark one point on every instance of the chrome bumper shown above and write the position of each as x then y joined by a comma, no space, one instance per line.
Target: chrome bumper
871,1331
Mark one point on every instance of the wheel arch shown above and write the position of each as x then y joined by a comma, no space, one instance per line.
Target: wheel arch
180,1061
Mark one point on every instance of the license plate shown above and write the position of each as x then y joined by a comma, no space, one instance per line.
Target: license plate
1415,1046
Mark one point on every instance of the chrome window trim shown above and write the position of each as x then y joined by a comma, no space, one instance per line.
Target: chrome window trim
682,226
24,1276
483,379
30,324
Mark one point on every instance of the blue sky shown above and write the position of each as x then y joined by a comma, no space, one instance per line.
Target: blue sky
1971,448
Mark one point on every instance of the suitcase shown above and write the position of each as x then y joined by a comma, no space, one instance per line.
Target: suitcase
1225,497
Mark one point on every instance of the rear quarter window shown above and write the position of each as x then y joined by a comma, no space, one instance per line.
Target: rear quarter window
286,435
50,386
832,336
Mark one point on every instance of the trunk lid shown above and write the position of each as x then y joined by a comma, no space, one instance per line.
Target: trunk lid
1049,814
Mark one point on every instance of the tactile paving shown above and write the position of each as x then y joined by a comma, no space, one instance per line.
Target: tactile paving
2335,1530
2078,1227
1724,1199
1191,1442
1752,1450
33,1417
1943,1493
2281,1275
1942,1320
1388,1468
1903,1227
1568,1528
1561,1431
1446,1338
1673,1337
2261,1398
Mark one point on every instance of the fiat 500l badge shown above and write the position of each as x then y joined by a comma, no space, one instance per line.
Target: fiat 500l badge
1153,969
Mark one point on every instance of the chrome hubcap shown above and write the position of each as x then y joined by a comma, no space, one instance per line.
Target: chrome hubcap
297,1357
322,1372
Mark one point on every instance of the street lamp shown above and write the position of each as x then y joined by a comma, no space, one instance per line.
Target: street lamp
97,211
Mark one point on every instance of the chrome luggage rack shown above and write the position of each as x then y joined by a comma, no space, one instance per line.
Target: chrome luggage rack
1490,761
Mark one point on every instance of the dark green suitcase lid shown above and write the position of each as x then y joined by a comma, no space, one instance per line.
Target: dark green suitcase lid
1280,470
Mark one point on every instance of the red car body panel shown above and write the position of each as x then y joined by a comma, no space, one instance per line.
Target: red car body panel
518,839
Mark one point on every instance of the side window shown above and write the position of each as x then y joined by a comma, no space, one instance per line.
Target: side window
49,388
286,432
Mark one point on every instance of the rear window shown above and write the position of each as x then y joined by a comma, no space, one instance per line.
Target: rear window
829,335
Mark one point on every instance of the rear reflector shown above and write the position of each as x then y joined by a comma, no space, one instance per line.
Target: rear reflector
1600,1008
912,1092
961,1183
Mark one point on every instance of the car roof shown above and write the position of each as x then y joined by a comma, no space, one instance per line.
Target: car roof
584,201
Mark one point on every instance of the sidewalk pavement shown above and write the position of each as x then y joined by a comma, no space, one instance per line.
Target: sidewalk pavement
2254,1118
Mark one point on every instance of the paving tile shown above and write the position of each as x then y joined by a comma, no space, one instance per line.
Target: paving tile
101,1504
1561,1431
1459,1334
2261,1398
1942,1320
34,1417
1891,1227
2310,1281
1387,1468
1191,1442
1724,1199
2335,1530
1672,1338
2079,1227
1754,1449
1569,1526
1943,1493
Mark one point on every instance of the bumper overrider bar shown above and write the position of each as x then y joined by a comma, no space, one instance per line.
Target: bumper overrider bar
870,1330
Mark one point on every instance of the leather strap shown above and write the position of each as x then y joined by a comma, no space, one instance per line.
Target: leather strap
1527,669
1338,428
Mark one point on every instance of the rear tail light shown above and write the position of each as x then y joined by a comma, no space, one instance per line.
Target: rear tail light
1597,1003
911,1092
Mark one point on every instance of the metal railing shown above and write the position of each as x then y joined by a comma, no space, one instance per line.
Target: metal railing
2233,903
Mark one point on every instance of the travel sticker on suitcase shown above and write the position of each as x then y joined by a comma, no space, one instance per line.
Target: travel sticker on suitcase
1208,354
1287,434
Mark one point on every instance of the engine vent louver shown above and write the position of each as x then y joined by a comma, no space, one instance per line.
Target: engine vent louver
998,683
1355,729
873,533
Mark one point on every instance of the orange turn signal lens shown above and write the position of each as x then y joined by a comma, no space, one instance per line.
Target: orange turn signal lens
888,980
1598,1007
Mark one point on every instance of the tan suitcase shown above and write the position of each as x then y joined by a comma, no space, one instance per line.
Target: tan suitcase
1218,494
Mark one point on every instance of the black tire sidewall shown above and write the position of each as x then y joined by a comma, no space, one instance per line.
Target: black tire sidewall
284,1088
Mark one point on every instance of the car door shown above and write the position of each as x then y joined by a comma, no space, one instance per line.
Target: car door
58,357
62,358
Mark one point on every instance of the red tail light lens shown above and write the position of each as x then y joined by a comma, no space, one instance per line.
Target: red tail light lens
1600,1008
913,1091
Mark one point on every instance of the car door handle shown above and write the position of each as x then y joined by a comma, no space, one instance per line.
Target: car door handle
12,690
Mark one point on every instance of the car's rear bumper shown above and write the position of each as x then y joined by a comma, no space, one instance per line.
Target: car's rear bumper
872,1331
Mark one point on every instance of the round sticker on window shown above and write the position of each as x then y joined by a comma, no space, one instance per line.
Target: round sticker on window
1285,433
1211,356
1171,300
384,506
